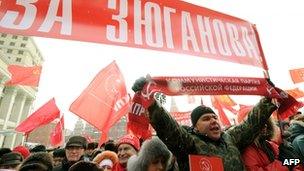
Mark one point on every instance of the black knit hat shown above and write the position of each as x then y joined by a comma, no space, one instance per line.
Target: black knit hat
198,112
77,141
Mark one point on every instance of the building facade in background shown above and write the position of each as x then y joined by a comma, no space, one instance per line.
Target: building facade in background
15,101
91,133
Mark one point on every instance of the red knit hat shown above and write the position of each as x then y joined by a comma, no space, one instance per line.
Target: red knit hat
22,150
129,139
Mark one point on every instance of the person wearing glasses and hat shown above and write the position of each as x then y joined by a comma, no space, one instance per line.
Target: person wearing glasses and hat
74,150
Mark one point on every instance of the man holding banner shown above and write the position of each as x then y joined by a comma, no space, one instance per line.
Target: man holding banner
206,137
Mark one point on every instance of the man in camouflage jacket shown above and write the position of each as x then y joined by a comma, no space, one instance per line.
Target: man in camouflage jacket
207,138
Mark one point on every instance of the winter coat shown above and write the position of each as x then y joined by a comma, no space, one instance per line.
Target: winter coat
118,167
65,165
297,137
182,143
255,159
150,150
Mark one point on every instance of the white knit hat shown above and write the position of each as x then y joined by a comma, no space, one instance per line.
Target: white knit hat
106,162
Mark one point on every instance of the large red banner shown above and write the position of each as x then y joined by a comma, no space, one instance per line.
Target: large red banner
173,26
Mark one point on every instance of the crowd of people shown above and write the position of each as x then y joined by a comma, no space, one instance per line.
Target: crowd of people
256,144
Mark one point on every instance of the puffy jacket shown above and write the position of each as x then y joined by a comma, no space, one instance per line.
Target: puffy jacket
297,137
255,159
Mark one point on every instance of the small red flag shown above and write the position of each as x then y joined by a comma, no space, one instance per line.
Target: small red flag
223,117
26,76
204,163
297,75
56,137
225,100
296,93
44,115
288,105
105,100
243,112
182,118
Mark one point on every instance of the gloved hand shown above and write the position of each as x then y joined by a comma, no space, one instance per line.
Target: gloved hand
270,82
139,84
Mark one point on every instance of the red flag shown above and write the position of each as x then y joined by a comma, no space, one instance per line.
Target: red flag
138,121
223,117
288,106
296,93
103,138
225,100
105,100
297,75
88,137
204,163
44,115
182,118
27,76
243,112
56,137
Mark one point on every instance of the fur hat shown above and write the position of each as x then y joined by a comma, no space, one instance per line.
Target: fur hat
38,148
37,161
92,145
77,141
24,151
129,139
12,158
106,155
150,150
4,151
299,117
198,112
60,152
83,165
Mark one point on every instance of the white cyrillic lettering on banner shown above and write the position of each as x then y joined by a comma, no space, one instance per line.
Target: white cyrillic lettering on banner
251,50
152,9
120,18
235,40
138,22
168,26
65,19
206,34
221,37
121,102
10,17
188,32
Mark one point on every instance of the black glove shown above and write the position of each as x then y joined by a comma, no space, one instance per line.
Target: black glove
139,84
270,82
